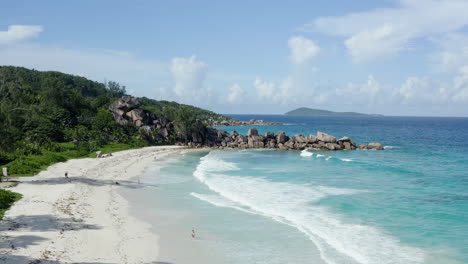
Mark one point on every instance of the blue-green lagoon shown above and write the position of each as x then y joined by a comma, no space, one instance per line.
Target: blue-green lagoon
405,204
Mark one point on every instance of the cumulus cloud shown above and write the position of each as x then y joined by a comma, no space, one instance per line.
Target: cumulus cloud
236,94
189,75
384,32
265,89
460,85
380,42
453,53
288,91
17,33
424,90
302,50
366,93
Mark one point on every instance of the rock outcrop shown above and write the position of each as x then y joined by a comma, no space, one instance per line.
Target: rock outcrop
221,139
235,122
126,110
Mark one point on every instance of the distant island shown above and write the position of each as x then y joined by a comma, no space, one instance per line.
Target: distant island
304,111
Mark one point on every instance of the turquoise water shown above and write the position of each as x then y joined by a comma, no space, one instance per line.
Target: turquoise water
405,204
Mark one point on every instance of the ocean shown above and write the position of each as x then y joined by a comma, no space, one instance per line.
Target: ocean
405,204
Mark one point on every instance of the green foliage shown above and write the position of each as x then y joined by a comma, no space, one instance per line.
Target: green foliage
171,110
7,198
49,117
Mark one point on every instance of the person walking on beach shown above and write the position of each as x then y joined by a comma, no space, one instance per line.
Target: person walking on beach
66,176
193,233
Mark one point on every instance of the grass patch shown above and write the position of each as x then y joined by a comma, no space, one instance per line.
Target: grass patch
7,198
33,164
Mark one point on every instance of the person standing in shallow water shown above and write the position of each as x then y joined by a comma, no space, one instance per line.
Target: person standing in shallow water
193,233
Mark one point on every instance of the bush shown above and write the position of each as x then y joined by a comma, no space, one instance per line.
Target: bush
7,198
33,164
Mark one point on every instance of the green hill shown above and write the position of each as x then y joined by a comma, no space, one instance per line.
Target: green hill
304,111
47,117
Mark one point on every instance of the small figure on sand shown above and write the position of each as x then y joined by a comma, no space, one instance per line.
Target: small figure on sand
5,174
193,233
66,176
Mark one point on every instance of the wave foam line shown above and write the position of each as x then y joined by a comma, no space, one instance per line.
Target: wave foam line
306,153
292,204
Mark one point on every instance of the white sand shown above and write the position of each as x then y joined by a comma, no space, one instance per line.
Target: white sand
85,221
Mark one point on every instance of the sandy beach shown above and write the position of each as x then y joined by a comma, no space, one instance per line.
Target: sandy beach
82,221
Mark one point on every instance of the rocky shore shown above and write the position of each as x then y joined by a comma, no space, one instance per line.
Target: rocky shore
235,122
215,138
127,111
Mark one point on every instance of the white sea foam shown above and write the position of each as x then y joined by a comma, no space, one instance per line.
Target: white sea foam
306,153
347,160
320,155
329,157
390,147
293,204
219,201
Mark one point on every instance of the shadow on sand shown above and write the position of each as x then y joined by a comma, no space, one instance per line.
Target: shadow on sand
91,182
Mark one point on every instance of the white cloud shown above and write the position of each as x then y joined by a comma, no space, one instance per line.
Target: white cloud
460,84
288,91
453,53
189,75
426,91
384,32
367,93
265,89
17,33
302,50
236,94
414,89
381,42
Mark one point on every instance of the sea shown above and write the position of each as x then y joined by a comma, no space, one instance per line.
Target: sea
405,204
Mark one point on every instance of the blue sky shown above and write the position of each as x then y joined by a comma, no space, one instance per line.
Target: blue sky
393,57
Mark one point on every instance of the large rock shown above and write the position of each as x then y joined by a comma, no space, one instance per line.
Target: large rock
256,141
376,146
363,146
311,139
330,146
324,137
347,145
252,132
281,137
126,110
269,135
126,103
300,138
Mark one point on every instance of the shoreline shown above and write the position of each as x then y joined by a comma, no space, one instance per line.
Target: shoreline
86,220
158,207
